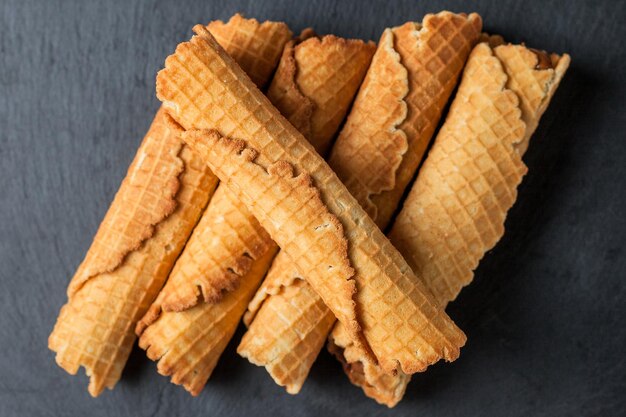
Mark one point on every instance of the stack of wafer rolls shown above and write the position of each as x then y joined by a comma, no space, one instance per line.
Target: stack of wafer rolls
155,210
306,209
456,208
227,175
197,312
376,155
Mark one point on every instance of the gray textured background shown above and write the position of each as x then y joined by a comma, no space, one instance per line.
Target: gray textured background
545,315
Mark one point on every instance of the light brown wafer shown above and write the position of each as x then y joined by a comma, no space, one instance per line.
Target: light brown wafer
455,212
502,96
290,324
228,238
228,243
146,227
94,328
386,133
319,77
262,173
188,344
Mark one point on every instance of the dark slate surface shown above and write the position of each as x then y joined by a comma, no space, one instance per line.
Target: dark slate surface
545,315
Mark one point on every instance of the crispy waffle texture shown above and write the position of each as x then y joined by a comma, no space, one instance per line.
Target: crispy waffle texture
418,67
302,204
386,133
227,252
158,204
95,328
456,209
255,46
187,344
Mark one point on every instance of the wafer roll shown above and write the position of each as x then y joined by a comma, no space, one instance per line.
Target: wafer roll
159,202
304,207
456,209
187,344
221,259
386,133
467,183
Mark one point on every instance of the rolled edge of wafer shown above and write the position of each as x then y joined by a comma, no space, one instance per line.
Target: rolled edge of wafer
417,66
306,80
222,249
121,232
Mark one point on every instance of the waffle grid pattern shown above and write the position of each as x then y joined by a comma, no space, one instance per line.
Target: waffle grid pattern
219,253
188,344
212,246
101,341
367,108
329,72
146,196
254,46
432,56
244,113
470,179
300,320
95,328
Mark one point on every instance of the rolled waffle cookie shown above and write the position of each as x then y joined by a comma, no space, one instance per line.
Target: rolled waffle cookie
155,210
305,208
467,183
227,254
456,209
389,126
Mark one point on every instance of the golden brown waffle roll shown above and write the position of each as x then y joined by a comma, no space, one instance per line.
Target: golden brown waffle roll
188,344
419,67
228,242
391,122
473,168
304,211
456,209
146,227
